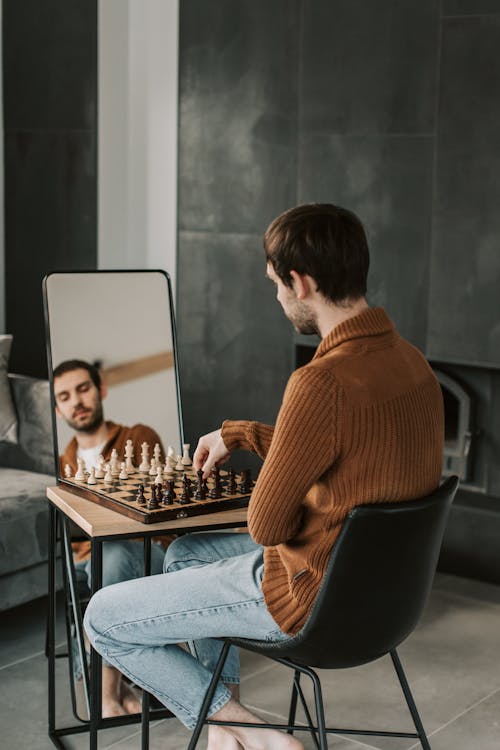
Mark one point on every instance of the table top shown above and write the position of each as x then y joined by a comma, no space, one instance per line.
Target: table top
98,522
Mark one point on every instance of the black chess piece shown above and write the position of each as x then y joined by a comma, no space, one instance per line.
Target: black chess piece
152,503
246,483
201,489
169,495
216,492
140,497
186,486
231,482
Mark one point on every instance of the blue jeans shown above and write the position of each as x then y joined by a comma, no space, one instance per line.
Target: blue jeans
211,588
121,561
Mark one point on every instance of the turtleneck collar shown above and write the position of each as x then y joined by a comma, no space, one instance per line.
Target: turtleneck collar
371,322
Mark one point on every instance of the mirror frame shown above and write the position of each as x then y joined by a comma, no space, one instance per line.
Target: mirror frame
60,479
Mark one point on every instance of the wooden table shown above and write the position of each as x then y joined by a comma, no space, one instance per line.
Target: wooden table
100,525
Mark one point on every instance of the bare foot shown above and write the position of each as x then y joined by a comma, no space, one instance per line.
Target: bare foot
254,739
220,739
130,699
112,708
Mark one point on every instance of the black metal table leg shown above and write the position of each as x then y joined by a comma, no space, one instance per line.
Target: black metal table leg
145,695
95,658
51,620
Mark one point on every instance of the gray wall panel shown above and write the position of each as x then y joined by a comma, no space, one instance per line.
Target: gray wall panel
388,183
369,67
235,352
464,314
238,81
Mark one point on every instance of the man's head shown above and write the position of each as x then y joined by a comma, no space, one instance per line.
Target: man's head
78,392
324,241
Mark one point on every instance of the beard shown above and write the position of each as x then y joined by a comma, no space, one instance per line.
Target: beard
92,422
303,320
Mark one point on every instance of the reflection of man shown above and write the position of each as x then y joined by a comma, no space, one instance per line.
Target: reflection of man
361,423
79,391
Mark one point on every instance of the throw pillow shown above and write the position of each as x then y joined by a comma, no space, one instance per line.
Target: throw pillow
8,419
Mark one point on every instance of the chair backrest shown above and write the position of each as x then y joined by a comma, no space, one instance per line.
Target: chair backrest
376,584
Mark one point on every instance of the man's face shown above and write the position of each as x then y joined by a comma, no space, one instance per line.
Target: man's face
300,315
78,400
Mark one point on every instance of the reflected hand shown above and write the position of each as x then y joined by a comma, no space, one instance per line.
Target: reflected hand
210,451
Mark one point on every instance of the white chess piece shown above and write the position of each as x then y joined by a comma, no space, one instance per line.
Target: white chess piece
144,467
67,471
91,478
152,468
80,473
129,457
114,463
168,471
99,468
108,477
159,474
179,466
157,453
123,471
186,459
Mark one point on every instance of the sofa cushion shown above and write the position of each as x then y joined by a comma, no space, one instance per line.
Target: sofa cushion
8,419
23,519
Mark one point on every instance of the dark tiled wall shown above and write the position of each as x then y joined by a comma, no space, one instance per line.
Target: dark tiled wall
50,99
390,108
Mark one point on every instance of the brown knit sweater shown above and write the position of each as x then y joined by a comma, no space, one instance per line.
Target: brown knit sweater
361,423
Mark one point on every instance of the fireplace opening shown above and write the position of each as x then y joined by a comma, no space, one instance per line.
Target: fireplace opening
458,427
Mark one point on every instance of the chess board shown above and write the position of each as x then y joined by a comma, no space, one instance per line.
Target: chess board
121,496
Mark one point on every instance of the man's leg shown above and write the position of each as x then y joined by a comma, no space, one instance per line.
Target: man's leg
201,549
122,561
137,625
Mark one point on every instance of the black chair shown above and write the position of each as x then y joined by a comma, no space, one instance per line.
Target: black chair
372,596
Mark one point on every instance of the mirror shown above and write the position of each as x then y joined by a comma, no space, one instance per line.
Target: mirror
122,323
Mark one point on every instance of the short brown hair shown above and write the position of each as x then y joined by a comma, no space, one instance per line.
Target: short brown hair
78,364
326,242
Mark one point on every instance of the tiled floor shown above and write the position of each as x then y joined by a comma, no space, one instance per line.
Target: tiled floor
452,662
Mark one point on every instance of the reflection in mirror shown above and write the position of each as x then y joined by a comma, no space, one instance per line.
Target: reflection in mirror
121,323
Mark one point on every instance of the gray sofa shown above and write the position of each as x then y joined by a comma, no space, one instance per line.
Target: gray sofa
26,469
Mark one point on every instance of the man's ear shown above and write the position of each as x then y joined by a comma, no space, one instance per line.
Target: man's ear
103,390
301,284
58,413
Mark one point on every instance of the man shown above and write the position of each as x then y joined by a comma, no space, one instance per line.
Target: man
361,423
79,391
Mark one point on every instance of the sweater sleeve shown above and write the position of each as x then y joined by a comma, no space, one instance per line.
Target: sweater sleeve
304,445
247,436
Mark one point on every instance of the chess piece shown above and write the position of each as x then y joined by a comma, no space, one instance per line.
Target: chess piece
144,465
91,478
186,459
152,468
99,469
179,466
169,495
80,472
231,482
67,471
123,472
159,474
114,463
129,457
216,492
157,453
186,485
246,483
152,503
201,488
140,497
108,476
168,471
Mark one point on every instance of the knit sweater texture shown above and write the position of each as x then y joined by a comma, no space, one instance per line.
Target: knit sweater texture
363,422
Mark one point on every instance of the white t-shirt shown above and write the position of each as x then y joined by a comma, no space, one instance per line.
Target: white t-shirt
90,455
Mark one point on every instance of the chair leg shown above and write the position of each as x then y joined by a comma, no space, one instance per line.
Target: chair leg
208,696
320,713
293,701
307,713
409,700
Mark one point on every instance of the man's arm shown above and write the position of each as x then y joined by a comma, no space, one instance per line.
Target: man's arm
304,445
215,447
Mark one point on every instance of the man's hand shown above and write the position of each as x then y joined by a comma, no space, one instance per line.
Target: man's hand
210,451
